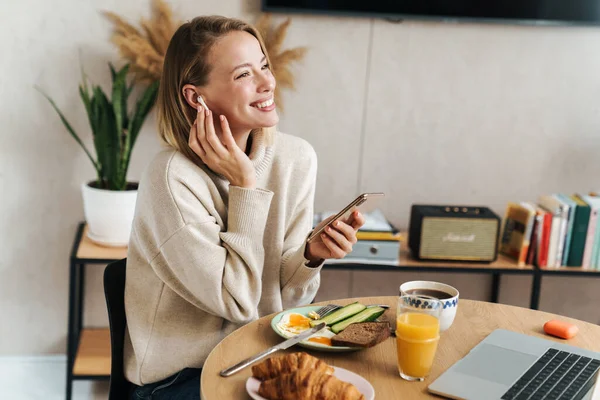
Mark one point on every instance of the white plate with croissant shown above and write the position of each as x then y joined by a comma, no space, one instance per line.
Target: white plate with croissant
300,376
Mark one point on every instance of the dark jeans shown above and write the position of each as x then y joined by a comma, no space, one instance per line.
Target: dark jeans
184,385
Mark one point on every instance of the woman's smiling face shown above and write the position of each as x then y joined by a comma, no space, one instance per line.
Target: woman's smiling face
240,83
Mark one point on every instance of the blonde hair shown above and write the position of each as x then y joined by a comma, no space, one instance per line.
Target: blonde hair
186,62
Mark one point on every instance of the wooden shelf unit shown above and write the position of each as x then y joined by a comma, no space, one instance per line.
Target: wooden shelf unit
88,349
93,353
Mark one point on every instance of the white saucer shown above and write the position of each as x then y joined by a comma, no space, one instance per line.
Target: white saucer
363,385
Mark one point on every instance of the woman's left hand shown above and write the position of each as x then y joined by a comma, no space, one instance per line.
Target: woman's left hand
337,240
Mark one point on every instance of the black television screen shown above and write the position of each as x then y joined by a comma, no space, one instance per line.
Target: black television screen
523,11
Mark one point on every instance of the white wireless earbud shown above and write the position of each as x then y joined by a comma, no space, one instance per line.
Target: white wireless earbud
201,101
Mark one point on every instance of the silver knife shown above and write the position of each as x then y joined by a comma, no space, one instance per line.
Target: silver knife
281,346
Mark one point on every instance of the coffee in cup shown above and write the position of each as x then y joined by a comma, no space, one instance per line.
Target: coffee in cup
447,295
432,293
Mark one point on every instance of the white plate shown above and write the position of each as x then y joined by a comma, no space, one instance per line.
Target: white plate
363,385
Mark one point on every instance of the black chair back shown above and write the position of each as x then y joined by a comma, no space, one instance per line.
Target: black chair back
114,291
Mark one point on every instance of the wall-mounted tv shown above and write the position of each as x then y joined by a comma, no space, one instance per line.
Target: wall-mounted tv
580,12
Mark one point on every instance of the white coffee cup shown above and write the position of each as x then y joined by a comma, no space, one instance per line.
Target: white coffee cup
449,304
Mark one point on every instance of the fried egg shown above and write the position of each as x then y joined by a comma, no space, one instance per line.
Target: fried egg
324,340
292,324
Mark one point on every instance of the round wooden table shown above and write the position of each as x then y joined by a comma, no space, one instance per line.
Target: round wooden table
474,321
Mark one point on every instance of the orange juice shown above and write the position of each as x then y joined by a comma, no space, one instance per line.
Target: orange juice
417,337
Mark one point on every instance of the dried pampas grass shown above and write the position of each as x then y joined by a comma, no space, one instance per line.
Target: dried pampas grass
281,60
145,49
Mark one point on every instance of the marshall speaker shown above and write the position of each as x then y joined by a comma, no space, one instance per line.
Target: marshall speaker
453,233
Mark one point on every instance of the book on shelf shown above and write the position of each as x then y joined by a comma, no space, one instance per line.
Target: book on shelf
533,251
595,200
559,212
542,242
581,222
570,206
592,245
529,229
393,236
588,247
516,231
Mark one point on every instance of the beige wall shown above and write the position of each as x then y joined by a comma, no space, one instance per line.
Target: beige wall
478,114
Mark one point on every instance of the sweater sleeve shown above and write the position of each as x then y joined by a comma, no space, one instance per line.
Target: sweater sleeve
300,282
220,271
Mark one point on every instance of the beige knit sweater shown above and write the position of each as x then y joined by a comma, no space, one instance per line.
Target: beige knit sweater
205,258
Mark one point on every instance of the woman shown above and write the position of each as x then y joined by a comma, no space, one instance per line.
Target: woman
222,217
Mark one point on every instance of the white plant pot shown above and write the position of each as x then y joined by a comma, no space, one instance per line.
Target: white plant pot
109,215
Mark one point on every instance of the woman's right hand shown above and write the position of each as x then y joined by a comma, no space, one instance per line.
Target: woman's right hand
225,158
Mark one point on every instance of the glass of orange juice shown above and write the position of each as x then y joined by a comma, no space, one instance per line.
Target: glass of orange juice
417,335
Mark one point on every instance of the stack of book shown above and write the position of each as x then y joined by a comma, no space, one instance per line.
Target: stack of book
557,230
377,238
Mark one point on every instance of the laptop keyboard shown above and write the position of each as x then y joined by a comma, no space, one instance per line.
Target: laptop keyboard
557,375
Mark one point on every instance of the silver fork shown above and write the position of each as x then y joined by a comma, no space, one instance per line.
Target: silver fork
323,311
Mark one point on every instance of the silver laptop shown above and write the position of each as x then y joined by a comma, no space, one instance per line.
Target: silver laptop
511,366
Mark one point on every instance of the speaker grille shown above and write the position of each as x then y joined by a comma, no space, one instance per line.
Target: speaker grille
458,238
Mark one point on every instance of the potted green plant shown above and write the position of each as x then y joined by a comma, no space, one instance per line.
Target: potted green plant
109,200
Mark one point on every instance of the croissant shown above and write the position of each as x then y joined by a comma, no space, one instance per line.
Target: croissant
307,384
275,366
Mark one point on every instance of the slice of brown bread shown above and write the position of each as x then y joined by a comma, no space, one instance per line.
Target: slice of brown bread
362,334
